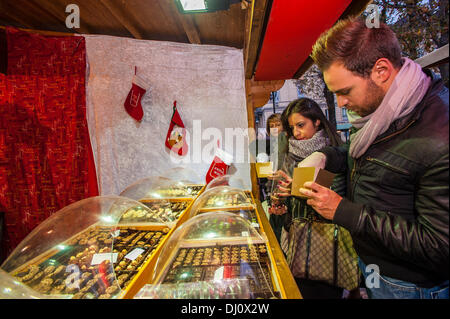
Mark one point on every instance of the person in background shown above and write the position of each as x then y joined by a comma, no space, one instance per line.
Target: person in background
277,150
397,161
307,131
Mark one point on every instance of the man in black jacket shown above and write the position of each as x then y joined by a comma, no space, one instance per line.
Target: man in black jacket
397,205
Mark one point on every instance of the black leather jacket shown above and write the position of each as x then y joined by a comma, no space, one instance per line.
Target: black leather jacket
397,207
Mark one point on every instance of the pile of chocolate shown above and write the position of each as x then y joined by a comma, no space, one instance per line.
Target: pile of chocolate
180,191
72,270
160,211
227,200
238,261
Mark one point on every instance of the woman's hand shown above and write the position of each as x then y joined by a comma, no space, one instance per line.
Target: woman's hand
284,184
277,209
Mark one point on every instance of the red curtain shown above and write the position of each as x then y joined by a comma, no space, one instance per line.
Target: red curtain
46,160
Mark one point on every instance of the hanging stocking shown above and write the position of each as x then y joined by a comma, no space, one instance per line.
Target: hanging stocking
176,135
133,102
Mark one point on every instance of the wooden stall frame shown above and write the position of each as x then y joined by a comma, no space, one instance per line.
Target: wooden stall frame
288,285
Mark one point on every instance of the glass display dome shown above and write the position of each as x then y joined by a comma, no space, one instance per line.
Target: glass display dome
221,198
72,254
157,187
183,174
167,199
11,288
227,180
212,255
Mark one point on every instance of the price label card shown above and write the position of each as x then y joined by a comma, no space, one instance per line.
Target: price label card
245,234
255,225
218,274
135,253
99,258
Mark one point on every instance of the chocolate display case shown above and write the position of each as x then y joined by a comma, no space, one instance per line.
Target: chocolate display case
214,255
83,251
227,199
168,200
183,174
11,288
227,180
221,198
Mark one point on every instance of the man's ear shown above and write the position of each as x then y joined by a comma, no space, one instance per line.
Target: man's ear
382,72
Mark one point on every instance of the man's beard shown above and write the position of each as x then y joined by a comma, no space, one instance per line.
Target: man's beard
375,96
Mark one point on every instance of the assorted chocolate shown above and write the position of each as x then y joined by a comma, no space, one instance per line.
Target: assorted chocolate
220,228
248,214
72,270
160,211
180,191
210,263
227,200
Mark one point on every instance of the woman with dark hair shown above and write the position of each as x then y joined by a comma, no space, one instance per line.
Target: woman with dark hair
307,131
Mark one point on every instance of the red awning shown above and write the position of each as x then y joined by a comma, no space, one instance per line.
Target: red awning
292,29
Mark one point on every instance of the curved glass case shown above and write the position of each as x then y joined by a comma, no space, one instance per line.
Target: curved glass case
221,198
165,198
11,288
183,174
73,253
212,255
226,180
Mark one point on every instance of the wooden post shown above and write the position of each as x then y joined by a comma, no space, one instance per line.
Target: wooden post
251,136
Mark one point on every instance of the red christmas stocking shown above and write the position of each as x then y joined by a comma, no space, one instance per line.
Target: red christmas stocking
133,102
176,135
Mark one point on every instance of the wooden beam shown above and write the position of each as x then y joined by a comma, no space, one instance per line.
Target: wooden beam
43,32
257,15
252,136
189,27
435,58
186,20
57,10
123,16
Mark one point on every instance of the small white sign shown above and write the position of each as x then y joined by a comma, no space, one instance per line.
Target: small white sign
218,274
134,253
245,234
255,225
99,258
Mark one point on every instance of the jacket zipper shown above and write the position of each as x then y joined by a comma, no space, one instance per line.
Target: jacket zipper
335,255
352,180
387,165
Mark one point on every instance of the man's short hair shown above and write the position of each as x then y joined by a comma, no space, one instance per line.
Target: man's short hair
355,45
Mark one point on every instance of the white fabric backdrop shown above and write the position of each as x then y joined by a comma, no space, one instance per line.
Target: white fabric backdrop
206,81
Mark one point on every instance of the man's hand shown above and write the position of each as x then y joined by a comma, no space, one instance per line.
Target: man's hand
322,199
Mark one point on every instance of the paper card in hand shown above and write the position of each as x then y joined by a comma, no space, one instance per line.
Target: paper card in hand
264,170
310,174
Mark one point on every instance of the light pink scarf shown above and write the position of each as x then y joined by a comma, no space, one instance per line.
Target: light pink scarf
405,92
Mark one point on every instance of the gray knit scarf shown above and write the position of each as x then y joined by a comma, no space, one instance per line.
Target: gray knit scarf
304,148
406,91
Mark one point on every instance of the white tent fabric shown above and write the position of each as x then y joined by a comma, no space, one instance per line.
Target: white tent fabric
206,81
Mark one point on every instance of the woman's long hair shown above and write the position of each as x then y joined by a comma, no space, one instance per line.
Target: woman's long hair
311,110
